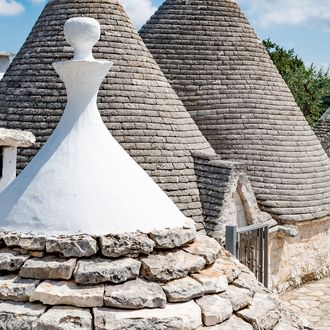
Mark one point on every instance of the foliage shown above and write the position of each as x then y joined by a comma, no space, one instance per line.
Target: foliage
309,86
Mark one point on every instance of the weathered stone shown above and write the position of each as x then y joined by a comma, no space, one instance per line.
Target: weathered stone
168,266
19,316
183,290
287,231
98,270
11,261
127,245
65,318
214,309
172,238
229,268
206,247
68,293
32,242
135,294
248,281
72,246
49,267
234,323
263,313
181,316
36,254
11,239
239,297
212,279
15,288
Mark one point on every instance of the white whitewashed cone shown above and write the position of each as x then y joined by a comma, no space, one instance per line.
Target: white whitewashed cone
82,180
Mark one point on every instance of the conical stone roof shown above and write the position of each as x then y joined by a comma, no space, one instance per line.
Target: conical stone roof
136,101
228,83
322,131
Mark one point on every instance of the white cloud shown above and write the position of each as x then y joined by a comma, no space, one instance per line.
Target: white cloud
290,12
10,8
139,10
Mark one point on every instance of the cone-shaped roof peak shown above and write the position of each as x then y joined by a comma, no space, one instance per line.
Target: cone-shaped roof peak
228,83
82,180
136,102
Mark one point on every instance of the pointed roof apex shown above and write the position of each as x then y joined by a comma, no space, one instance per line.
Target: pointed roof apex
82,180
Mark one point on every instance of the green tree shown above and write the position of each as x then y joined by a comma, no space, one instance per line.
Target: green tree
310,87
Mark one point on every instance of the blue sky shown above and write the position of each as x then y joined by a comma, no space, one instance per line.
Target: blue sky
298,24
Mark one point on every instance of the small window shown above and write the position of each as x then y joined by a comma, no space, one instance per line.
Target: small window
1,161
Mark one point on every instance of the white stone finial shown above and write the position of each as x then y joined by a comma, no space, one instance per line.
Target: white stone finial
82,33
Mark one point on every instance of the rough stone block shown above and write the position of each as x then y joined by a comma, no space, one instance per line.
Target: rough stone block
230,269
99,270
263,313
135,294
183,290
181,316
19,316
65,318
214,309
72,246
206,247
239,297
16,289
126,245
68,293
50,267
168,266
234,323
172,238
11,261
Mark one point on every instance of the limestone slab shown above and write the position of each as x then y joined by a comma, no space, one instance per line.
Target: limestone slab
168,266
49,267
11,261
172,238
212,279
234,323
65,318
183,289
263,313
181,316
214,309
228,267
239,297
25,241
68,293
248,281
206,247
22,316
127,244
136,294
99,270
72,246
15,288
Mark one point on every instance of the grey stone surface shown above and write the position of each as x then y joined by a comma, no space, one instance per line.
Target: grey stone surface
287,231
16,289
65,318
68,293
183,289
172,238
239,297
11,261
168,266
206,247
282,166
72,246
136,294
50,267
212,279
19,316
229,268
234,323
181,316
248,281
128,244
25,241
99,270
214,309
263,314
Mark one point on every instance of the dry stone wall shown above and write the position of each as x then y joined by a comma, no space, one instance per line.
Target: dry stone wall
171,279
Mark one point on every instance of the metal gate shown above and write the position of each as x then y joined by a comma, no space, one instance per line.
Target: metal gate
250,246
